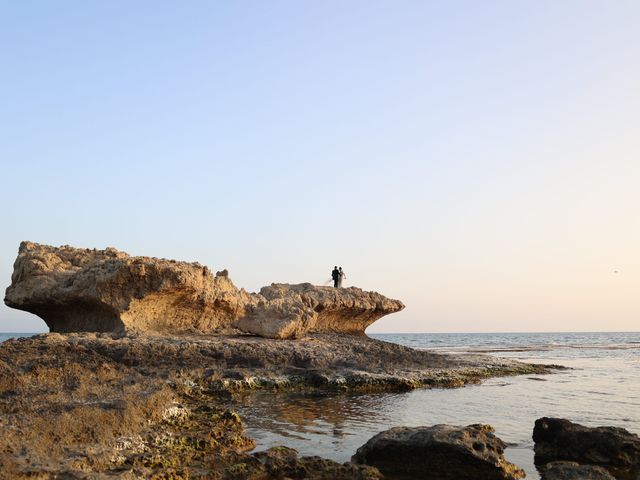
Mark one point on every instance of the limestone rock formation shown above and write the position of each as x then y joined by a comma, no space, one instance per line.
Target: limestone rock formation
574,471
76,290
285,311
442,452
613,448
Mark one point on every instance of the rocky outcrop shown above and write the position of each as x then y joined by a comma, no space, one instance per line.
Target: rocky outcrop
613,448
75,290
106,406
574,471
284,311
283,462
440,452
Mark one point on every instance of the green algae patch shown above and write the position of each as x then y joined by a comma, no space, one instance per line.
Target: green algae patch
366,382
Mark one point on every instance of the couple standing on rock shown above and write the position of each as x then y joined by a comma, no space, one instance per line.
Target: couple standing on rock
338,275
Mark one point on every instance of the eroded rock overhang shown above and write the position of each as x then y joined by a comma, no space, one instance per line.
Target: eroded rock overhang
76,290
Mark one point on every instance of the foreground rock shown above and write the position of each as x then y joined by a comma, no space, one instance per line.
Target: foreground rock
613,448
79,290
283,462
574,471
439,452
67,411
87,405
230,363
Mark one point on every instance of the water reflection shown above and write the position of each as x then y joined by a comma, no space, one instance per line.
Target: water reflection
335,425
301,415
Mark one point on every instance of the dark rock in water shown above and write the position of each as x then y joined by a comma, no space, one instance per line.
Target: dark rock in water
574,471
611,447
440,452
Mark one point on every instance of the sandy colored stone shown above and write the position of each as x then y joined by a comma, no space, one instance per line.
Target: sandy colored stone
76,290
286,311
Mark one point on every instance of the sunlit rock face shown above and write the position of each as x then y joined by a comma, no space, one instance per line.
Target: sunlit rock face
285,311
75,289
107,290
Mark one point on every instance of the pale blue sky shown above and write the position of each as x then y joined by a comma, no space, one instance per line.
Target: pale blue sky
478,160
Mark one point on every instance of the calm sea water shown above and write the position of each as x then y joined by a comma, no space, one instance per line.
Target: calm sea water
602,388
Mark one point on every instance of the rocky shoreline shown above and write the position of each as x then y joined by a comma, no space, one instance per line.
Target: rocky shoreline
106,406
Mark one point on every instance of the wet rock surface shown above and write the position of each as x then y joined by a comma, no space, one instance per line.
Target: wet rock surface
283,462
613,448
440,452
75,290
574,471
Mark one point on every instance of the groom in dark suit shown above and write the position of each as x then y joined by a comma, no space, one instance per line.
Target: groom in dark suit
336,276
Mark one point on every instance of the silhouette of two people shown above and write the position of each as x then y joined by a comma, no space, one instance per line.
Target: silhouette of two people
338,275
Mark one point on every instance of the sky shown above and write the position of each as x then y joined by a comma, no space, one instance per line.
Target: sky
479,161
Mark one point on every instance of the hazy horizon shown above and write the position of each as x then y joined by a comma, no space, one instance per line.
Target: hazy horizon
477,161
414,333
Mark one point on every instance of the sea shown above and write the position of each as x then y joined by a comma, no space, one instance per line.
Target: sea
600,387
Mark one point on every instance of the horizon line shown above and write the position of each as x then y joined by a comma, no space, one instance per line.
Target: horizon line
408,333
